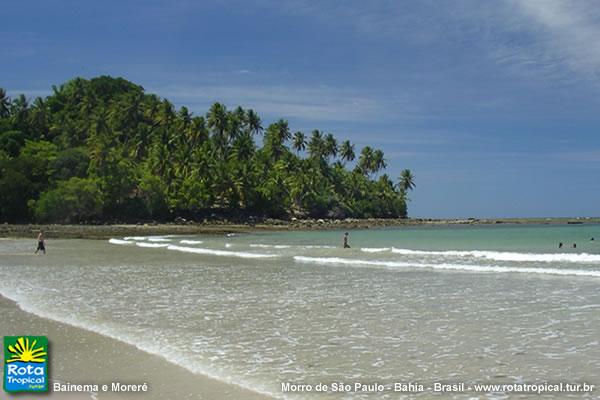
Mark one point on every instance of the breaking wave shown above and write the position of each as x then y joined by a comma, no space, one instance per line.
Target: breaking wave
446,266
185,241
507,256
224,253
120,241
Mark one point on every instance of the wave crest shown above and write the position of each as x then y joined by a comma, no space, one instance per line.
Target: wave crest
507,256
214,252
446,266
120,241
186,241
374,249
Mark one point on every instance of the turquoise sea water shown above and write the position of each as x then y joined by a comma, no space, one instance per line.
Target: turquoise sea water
502,237
475,304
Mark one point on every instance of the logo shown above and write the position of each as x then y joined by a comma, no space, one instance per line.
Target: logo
25,364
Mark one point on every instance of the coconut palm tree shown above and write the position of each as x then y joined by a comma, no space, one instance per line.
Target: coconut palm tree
185,117
283,131
347,151
4,104
236,123
379,162
196,132
316,145
365,161
299,143
19,114
331,146
243,147
275,138
166,113
217,119
406,181
254,122
38,118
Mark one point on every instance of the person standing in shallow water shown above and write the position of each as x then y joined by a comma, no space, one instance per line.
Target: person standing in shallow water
41,243
346,245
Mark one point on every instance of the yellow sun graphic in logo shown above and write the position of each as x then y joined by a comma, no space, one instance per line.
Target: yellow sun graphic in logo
26,352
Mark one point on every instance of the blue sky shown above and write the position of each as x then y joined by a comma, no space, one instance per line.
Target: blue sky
494,106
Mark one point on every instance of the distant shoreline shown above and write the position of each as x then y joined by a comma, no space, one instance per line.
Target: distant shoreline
223,227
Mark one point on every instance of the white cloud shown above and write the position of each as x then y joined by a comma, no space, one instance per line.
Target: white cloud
309,103
544,40
566,32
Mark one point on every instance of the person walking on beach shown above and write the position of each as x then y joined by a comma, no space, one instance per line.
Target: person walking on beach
41,244
346,245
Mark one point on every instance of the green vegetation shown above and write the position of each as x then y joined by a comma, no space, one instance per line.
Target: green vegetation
102,150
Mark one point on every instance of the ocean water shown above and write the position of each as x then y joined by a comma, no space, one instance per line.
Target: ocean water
474,304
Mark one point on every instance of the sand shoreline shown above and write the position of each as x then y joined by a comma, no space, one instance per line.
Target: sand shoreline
79,356
222,227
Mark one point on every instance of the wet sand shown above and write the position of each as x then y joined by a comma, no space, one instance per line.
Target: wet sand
78,356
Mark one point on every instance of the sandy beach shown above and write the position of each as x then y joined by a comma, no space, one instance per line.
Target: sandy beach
82,357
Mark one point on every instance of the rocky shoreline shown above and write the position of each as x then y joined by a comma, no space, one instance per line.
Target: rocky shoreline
182,227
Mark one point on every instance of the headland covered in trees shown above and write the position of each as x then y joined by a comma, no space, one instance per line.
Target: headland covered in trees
103,150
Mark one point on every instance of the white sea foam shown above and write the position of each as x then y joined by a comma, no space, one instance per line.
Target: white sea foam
507,256
446,266
457,253
159,239
153,245
270,246
224,253
119,241
135,238
185,241
374,249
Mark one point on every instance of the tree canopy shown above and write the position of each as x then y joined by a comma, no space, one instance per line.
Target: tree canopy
104,150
